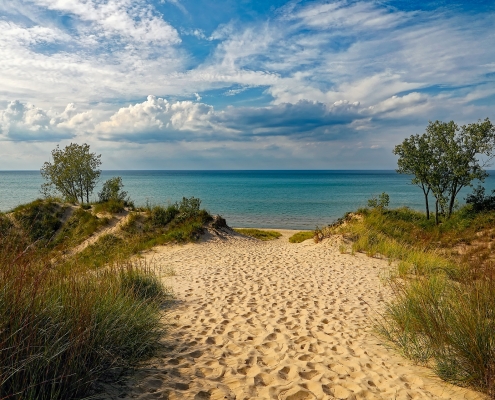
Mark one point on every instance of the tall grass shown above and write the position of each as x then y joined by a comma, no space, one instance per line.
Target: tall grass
66,322
442,313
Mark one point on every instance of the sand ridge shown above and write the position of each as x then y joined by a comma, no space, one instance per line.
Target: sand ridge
276,320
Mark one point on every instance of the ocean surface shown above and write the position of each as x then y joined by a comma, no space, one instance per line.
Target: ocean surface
275,199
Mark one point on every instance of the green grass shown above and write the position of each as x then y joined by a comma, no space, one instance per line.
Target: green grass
301,236
66,322
443,310
259,234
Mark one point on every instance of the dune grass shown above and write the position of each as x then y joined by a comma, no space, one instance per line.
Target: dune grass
300,237
68,320
258,233
442,313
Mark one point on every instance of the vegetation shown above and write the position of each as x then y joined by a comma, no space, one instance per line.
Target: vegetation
112,190
73,173
442,313
259,234
69,318
301,236
381,202
447,158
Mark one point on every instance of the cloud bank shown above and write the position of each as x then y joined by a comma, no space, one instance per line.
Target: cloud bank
342,74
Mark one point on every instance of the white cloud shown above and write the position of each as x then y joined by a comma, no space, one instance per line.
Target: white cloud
26,122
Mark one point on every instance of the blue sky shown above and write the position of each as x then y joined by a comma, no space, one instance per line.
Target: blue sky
193,84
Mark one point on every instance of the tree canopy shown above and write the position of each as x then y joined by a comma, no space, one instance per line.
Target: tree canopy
447,158
73,173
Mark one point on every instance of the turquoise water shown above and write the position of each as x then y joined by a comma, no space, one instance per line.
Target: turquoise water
277,199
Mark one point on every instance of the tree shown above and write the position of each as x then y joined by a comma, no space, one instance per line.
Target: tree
415,158
74,172
447,158
112,190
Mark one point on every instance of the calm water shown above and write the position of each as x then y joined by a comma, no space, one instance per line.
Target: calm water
278,199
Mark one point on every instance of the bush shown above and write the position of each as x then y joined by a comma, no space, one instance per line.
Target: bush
160,216
381,202
479,201
112,190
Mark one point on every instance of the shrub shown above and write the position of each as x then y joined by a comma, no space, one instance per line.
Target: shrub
160,216
479,201
112,190
381,202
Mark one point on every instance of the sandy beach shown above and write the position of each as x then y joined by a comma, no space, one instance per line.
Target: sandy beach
276,320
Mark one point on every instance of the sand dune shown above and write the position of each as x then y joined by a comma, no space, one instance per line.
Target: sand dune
275,320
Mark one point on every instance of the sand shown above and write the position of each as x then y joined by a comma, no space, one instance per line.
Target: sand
276,320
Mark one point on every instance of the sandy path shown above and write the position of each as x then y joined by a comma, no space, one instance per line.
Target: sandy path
275,320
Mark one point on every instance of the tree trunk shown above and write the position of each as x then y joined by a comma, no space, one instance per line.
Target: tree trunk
427,205
436,212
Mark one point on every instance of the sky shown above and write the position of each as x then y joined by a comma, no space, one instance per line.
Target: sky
238,84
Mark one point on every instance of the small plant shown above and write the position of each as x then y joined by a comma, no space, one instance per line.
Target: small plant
380,203
342,249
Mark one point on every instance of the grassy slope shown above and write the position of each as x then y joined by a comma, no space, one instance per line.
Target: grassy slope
64,320
443,311
259,233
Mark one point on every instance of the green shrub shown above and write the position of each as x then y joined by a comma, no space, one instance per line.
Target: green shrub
160,216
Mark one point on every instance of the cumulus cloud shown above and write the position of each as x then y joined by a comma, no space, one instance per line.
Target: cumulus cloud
26,122
158,120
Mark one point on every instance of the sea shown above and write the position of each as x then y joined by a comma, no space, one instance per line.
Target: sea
258,199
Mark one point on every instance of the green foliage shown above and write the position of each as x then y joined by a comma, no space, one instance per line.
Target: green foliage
160,216
446,158
63,328
381,202
112,190
73,173
39,219
259,234
479,201
443,309
77,228
111,206
300,237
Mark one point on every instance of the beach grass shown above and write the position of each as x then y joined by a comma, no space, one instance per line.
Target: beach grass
442,313
259,233
68,319
300,237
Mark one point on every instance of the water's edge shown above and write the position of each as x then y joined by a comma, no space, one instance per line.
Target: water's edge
282,199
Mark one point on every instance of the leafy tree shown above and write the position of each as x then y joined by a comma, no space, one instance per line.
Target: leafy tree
112,190
415,158
73,173
447,158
